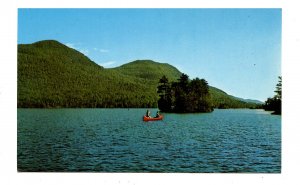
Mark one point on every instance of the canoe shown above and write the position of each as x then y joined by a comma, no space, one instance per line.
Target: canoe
152,119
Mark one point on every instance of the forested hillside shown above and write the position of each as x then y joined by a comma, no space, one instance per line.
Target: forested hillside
51,74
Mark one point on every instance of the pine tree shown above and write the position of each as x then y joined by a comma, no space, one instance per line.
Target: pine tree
164,92
274,104
278,88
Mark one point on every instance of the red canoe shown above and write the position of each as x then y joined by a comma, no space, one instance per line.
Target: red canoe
152,119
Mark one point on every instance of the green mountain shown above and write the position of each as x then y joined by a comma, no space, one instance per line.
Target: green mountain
148,69
51,74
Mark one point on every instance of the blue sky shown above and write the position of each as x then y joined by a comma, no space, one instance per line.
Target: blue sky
236,50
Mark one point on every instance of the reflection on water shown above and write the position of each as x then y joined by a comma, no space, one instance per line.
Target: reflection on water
117,140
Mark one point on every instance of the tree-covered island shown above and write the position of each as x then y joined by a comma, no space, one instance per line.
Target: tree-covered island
184,96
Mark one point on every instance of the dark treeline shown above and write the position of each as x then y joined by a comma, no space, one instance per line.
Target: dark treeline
184,95
274,104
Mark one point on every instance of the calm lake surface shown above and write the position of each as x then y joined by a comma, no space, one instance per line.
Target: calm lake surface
117,140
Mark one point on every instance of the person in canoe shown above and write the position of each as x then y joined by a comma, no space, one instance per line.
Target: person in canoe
157,114
148,114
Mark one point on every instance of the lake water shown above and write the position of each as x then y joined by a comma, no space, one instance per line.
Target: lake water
117,140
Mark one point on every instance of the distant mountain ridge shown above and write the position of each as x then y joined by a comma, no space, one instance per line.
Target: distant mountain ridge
251,101
50,74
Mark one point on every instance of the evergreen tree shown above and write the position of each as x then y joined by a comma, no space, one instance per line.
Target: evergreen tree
200,89
183,82
164,92
278,88
274,104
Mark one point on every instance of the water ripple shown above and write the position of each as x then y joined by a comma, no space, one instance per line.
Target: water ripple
94,140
